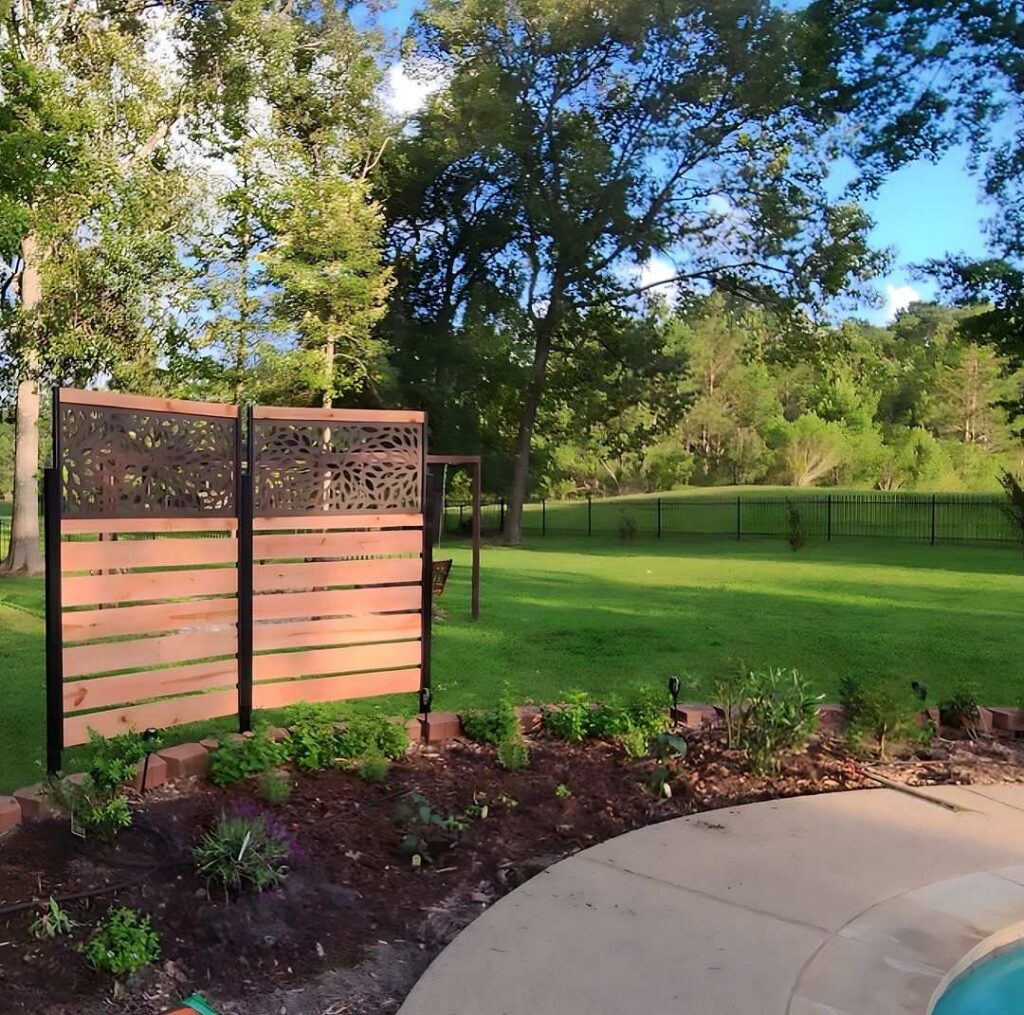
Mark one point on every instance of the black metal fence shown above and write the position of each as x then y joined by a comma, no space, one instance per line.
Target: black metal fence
929,518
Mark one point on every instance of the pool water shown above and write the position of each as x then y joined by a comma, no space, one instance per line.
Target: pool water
993,987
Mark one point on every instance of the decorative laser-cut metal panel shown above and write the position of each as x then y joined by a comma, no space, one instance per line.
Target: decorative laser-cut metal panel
128,463
302,466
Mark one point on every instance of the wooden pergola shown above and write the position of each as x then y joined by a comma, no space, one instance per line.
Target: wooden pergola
471,462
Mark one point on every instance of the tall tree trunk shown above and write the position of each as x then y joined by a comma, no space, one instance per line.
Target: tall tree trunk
545,329
24,556
328,399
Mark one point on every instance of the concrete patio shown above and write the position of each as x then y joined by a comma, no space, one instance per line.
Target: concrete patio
847,904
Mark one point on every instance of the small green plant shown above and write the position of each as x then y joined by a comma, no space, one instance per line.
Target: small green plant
876,708
426,832
780,713
51,922
374,768
102,812
106,817
369,734
729,690
123,943
276,787
244,757
669,751
113,761
312,736
492,726
627,528
961,710
243,852
508,801
634,741
570,720
514,753
478,809
797,538
562,791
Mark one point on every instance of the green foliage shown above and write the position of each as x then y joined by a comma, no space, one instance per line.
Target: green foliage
627,528
960,709
730,690
374,768
796,528
562,791
492,726
1014,506
368,734
571,719
631,722
113,761
276,787
243,853
123,943
514,753
878,709
780,713
426,831
100,812
313,736
242,758
51,922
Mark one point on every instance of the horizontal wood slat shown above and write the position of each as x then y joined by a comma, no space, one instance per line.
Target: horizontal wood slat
139,586
81,660
358,685
157,714
85,625
145,403
93,526
337,544
339,415
102,692
336,660
336,631
324,520
96,555
278,577
346,602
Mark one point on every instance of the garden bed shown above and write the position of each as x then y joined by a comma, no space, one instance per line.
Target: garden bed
354,923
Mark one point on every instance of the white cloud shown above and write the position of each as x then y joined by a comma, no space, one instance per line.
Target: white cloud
405,94
897,298
657,270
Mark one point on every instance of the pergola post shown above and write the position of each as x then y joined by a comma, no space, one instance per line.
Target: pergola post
472,462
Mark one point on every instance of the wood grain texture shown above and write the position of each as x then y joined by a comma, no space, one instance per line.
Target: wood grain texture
284,665
81,660
147,585
374,627
339,415
336,544
145,403
124,553
157,714
324,520
280,577
341,603
102,692
94,526
85,625
359,685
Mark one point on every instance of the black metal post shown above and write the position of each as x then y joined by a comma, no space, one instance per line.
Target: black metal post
590,515
427,581
933,519
501,515
244,510
54,633
830,517
543,516
739,504
659,518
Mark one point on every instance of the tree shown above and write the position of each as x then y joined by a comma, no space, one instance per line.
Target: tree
811,449
576,140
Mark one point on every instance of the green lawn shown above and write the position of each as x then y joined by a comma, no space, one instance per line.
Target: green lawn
566,614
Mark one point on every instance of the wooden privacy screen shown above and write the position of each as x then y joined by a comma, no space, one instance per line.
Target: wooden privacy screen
187,587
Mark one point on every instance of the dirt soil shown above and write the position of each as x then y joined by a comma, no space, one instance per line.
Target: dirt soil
354,923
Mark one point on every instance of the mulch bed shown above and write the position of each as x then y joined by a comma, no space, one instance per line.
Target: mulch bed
355,924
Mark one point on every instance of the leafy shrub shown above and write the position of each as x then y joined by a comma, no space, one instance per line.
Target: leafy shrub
634,741
730,691
276,787
100,811
641,717
369,734
426,830
780,713
374,768
113,761
241,758
313,736
244,851
123,943
570,720
514,753
878,708
492,726
797,537
960,709
627,528
669,751
562,791
51,922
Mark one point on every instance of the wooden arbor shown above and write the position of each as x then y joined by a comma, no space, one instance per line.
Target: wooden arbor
471,462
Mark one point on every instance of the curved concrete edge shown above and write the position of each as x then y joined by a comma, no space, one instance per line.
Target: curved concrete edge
841,904
993,945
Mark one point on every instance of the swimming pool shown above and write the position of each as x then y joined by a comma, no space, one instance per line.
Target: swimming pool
994,986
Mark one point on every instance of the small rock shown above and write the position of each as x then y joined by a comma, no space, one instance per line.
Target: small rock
320,950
